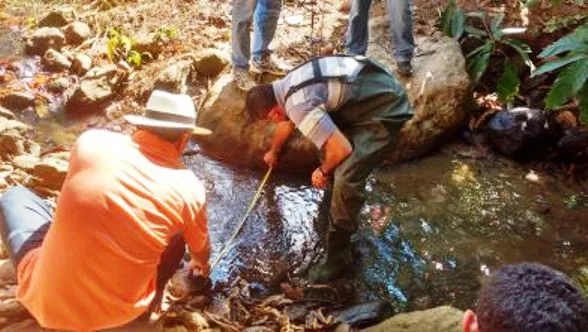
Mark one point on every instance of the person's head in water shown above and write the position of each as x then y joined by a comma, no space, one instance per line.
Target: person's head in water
261,103
528,297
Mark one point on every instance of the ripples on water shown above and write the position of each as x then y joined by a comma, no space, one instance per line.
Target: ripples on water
430,229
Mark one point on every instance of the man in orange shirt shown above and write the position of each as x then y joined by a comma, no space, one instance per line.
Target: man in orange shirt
127,207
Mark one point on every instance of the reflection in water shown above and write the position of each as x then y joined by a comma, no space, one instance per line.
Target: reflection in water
430,229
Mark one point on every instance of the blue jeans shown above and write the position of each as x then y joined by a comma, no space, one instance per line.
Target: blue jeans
400,15
25,219
265,14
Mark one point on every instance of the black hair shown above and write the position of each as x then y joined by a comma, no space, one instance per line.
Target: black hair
531,297
260,100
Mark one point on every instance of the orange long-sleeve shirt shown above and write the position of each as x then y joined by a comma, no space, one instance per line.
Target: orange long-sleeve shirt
122,200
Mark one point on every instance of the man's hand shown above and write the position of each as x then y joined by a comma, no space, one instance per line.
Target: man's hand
319,179
199,277
271,158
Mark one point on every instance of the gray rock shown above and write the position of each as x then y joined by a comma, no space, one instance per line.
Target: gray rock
44,39
211,62
55,61
97,86
81,64
148,43
59,84
174,77
77,32
50,173
440,319
25,161
6,113
58,17
439,92
17,101
364,314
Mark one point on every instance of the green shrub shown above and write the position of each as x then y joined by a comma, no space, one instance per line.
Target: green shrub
572,64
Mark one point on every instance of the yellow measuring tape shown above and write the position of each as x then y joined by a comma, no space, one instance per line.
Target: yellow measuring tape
251,205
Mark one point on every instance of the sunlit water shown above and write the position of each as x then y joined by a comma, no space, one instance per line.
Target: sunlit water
430,229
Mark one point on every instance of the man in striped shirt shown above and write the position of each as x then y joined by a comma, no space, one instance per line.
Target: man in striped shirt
352,109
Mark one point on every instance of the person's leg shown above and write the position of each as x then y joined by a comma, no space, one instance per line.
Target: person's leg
371,142
24,221
265,21
357,35
170,262
242,15
400,15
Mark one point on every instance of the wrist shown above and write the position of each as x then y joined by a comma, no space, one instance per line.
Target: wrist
323,171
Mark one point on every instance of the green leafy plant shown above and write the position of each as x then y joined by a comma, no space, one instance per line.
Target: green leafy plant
121,46
570,54
453,20
169,32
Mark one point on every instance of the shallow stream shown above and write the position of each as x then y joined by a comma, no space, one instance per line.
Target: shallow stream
430,229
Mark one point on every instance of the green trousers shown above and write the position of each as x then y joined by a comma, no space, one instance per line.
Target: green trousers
371,120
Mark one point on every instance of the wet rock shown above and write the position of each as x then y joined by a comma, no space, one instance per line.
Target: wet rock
26,162
439,92
6,113
18,100
44,39
297,312
50,173
55,61
58,17
81,64
522,133
77,32
96,87
440,319
174,77
572,147
7,273
211,62
183,284
364,314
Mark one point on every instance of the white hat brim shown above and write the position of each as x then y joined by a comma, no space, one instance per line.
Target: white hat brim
138,120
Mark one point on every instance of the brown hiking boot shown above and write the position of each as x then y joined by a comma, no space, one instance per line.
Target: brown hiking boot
243,79
267,65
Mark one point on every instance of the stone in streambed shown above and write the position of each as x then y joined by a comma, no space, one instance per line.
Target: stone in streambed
58,17
44,39
440,319
77,32
55,61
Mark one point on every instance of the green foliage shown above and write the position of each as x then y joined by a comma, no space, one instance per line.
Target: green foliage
120,46
169,32
453,20
572,80
508,84
495,41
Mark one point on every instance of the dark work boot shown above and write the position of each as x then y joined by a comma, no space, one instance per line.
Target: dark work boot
337,259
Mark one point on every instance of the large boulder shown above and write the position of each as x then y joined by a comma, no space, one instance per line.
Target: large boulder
440,319
439,92
43,39
58,17
77,32
99,85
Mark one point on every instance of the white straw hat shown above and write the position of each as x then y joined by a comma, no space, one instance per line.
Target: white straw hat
168,110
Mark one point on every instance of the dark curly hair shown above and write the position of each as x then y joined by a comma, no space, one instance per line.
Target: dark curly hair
531,297
260,100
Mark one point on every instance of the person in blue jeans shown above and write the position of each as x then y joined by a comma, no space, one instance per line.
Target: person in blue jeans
400,15
264,14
